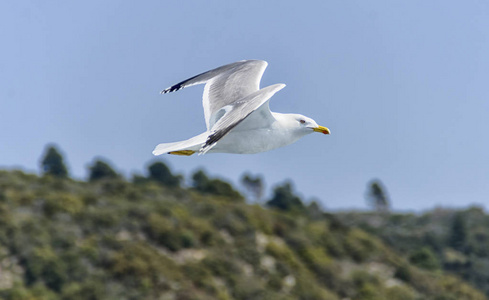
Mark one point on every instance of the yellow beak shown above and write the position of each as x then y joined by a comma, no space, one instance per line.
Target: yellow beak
322,129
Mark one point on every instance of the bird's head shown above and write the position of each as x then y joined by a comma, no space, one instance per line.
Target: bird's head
305,124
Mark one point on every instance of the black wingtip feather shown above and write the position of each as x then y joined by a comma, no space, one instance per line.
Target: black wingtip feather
172,89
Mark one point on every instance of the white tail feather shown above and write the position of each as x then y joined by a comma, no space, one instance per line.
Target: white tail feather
194,144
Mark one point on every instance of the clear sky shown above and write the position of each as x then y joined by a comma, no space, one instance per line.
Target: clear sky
403,86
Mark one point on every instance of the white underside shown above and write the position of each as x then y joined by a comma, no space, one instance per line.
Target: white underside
244,141
246,138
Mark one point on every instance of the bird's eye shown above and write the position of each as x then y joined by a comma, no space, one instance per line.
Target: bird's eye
302,121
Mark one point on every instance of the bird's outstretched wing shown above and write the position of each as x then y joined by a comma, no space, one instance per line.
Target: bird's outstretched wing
224,86
236,112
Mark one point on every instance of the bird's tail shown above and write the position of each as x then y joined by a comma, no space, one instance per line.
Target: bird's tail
187,147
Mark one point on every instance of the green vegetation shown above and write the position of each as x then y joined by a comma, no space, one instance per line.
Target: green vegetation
377,196
212,186
254,186
160,172
425,259
100,170
151,239
284,199
52,163
443,240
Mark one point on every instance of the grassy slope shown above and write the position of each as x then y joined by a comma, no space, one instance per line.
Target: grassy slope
63,239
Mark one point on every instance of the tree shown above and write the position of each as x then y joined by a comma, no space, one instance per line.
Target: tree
285,199
202,183
52,163
314,210
100,170
377,196
458,232
160,173
254,185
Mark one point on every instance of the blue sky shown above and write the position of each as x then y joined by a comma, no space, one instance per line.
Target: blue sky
403,86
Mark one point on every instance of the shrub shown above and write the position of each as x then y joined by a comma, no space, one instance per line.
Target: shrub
62,203
403,273
45,266
360,245
166,233
425,259
139,266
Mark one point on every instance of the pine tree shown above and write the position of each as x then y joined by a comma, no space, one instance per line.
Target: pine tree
458,233
254,185
160,172
202,183
377,196
314,210
52,163
100,170
285,199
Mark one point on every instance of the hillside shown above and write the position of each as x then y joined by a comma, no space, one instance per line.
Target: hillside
455,241
114,239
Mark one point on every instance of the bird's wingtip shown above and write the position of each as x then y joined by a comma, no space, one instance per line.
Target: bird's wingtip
173,88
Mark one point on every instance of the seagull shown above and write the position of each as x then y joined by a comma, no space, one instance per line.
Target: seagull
237,114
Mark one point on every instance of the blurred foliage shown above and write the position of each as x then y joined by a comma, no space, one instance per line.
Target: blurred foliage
100,170
446,241
254,186
377,196
212,186
113,239
160,172
425,259
457,238
52,163
284,198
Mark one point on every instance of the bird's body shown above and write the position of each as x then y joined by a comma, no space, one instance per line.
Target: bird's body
246,140
237,114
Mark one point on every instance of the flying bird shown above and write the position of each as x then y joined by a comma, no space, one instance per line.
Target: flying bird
237,114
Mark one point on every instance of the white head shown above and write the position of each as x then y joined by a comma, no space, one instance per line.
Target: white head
303,124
